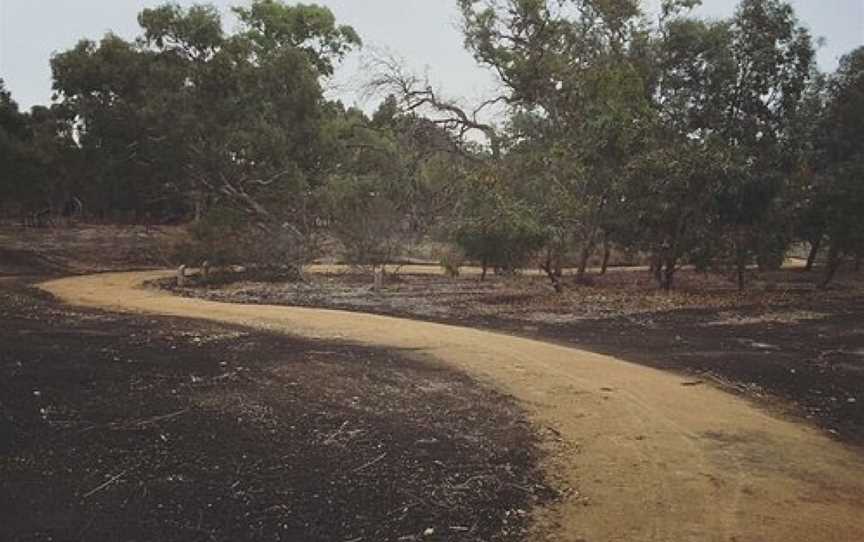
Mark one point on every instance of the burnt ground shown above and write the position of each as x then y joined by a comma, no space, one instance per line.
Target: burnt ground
126,427
795,349
84,248
815,367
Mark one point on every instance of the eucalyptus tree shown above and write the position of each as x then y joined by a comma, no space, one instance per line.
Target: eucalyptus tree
840,162
669,205
394,180
496,227
189,108
571,82
574,68
38,161
715,184
13,135
806,191
770,60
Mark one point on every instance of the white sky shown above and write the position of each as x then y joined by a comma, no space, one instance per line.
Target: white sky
423,32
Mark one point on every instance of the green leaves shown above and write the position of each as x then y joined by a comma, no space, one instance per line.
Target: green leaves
188,109
840,152
272,25
194,33
497,229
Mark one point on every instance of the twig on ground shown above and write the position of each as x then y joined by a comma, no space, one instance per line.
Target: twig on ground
156,419
102,486
370,463
332,438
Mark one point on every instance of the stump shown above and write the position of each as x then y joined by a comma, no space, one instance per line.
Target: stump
378,278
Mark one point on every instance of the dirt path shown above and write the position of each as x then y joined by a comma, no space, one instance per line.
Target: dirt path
652,457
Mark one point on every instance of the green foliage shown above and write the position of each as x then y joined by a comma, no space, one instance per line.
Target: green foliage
840,161
195,33
497,230
312,29
13,136
573,75
218,238
727,93
225,237
189,114
366,220
707,142
38,157
392,183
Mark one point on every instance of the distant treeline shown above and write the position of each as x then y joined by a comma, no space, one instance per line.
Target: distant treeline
714,143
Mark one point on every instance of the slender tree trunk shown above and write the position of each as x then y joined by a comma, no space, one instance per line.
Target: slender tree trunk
814,251
657,267
668,276
484,267
831,266
553,272
377,277
556,281
199,209
607,252
741,260
584,256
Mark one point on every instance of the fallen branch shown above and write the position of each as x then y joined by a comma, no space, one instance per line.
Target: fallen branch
106,484
332,438
369,464
151,421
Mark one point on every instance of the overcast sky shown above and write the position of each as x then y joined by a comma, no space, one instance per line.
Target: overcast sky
423,32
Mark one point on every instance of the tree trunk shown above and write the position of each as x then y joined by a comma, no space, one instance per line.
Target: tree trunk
607,252
741,260
831,266
377,278
584,256
484,267
667,278
657,267
199,208
814,251
553,273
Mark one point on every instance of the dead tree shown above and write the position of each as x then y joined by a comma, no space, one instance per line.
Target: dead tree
417,95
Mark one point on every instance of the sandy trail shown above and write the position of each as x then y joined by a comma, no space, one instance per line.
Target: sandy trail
652,459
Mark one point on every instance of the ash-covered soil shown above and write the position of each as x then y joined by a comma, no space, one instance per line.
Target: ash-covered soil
782,342
125,427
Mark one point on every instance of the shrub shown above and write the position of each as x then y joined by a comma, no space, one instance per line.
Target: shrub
505,240
226,236
451,260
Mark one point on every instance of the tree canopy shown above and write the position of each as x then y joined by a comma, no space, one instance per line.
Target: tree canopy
714,143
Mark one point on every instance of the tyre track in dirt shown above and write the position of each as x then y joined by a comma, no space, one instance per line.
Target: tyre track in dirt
652,459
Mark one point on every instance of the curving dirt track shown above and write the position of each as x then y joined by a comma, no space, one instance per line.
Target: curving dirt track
653,457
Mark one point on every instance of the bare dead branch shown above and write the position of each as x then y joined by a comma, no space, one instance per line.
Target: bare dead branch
417,95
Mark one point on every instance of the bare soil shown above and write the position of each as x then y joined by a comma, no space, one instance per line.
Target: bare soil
84,249
125,427
639,454
636,454
781,340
